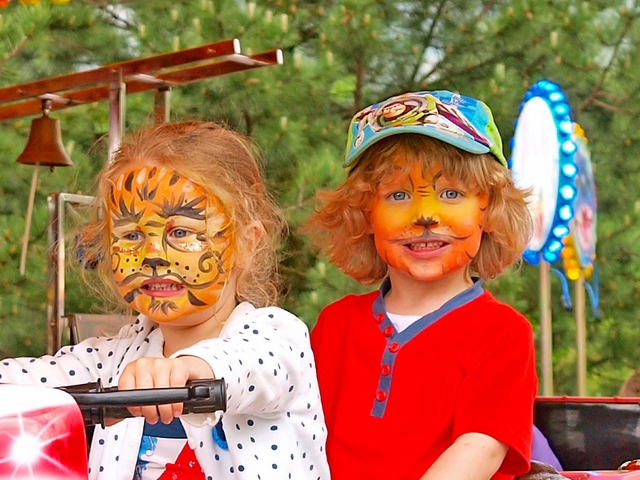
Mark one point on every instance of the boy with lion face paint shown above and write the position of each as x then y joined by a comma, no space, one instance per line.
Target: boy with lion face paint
188,239
430,377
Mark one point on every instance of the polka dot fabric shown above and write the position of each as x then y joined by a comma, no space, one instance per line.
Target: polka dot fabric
273,425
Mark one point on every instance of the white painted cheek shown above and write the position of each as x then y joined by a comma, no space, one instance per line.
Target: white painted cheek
154,247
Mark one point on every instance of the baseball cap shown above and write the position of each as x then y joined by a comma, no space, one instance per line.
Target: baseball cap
461,121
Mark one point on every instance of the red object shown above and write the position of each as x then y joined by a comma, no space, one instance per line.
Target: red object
186,467
4,3
471,370
608,474
630,465
42,435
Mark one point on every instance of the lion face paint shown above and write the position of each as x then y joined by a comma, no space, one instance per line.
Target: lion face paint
426,224
171,243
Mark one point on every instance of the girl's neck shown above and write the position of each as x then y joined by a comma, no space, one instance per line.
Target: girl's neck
409,296
188,331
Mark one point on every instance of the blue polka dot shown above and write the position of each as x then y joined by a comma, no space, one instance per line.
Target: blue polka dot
72,372
43,379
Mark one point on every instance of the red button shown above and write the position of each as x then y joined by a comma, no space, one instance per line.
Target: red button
385,370
379,318
394,347
388,331
381,395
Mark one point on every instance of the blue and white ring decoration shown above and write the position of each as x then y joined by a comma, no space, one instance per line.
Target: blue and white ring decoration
543,161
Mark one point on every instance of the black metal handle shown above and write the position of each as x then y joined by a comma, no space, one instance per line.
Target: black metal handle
98,404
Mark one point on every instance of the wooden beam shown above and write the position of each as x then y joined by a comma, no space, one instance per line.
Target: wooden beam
105,74
135,83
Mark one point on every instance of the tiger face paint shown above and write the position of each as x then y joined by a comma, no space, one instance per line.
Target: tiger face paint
425,224
171,243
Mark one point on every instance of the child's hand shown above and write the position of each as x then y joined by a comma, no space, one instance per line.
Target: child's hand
162,373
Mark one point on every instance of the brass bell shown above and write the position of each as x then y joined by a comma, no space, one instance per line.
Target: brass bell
44,146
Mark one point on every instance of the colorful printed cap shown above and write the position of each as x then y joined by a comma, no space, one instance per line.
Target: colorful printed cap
455,119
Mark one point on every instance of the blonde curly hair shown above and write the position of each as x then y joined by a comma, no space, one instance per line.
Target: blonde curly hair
224,164
340,226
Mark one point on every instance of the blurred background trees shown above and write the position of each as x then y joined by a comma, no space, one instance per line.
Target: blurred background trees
340,55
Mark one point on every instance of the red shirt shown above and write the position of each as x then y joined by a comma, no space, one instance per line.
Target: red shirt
393,402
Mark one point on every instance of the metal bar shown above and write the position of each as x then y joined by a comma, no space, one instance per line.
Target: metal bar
55,285
104,74
55,265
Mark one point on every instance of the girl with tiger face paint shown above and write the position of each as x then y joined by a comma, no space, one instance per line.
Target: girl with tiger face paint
187,235
171,243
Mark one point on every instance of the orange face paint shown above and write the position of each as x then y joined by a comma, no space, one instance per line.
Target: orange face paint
426,224
171,243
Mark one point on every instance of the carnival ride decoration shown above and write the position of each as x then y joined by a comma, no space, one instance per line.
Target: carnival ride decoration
579,252
42,435
551,157
543,161
42,429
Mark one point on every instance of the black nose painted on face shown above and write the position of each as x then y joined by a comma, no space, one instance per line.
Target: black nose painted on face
155,263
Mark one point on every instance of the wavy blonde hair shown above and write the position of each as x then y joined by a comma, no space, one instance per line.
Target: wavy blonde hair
340,226
225,164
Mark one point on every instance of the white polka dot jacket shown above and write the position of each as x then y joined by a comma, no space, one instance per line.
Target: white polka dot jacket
274,426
